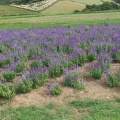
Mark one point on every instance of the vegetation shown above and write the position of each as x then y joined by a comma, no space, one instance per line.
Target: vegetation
104,6
73,79
89,109
7,91
18,1
6,10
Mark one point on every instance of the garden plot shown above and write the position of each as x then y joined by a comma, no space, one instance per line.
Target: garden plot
30,58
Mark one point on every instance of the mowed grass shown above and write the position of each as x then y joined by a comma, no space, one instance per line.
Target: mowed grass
68,19
6,10
90,109
61,7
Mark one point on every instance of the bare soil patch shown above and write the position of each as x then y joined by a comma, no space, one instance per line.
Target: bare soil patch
94,89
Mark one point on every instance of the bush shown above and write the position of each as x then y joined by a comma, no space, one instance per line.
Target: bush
96,73
9,76
54,88
35,64
104,6
4,62
39,79
116,56
56,70
7,91
76,11
24,86
112,80
91,57
72,79
80,60
20,67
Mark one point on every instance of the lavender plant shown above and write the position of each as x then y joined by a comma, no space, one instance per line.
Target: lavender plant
59,47
54,88
73,79
7,91
9,76
20,67
112,80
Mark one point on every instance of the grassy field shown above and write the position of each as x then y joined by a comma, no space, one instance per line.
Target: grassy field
63,7
69,19
89,2
78,110
6,10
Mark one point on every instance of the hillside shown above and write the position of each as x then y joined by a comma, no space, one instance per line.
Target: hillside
46,6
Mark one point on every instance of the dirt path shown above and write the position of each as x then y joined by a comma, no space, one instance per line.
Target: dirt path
93,89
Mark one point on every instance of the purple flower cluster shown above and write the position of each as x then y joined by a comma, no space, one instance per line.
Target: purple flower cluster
58,48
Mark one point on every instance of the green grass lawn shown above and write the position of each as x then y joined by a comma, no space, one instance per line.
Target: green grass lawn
78,110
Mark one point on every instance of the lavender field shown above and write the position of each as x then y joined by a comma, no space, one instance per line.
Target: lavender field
31,57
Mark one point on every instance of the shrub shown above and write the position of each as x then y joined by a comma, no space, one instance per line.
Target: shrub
54,88
23,57
116,56
46,61
35,64
96,73
39,79
76,11
20,67
80,60
7,91
9,76
24,86
56,70
91,57
4,62
72,79
104,6
112,80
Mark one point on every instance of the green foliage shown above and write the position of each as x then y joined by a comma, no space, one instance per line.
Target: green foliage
117,1
56,70
46,112
23,57
9,76
7,91
35,64
117,99
4,62
20,67
73,79
80,60
24,86
104,6
96,73
56,90
116,56
86,103
91,57
39,79
112,80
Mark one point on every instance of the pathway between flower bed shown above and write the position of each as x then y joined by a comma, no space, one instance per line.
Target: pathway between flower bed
93,89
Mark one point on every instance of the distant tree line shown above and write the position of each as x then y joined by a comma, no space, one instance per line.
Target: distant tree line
104,6
117,1
27,1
